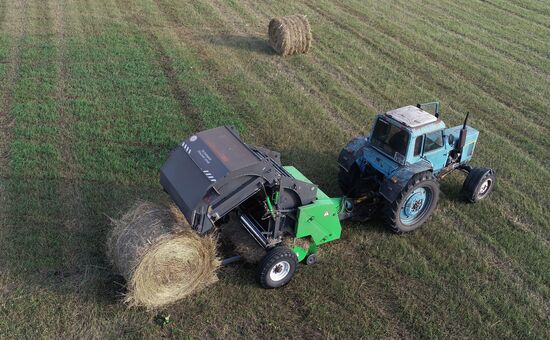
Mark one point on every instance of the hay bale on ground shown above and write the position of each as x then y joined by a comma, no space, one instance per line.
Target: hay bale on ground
159,255
290,35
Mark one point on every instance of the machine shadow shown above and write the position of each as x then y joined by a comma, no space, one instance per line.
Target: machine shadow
68,254
248,43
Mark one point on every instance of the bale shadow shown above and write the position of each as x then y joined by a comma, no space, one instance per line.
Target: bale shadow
249,43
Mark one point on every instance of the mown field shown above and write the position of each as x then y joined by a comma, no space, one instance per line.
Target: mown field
95,93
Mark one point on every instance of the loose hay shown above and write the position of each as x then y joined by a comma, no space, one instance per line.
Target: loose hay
248,248
159,255
290,35
244,244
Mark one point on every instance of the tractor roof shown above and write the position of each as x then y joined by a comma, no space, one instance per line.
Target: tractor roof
411,116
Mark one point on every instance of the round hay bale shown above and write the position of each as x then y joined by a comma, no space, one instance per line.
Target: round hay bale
290,35
160,256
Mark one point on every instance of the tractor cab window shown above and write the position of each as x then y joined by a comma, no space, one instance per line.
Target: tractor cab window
418,146
434,140
389,138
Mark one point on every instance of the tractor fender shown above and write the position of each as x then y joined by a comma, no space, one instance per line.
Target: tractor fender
392,185
351,152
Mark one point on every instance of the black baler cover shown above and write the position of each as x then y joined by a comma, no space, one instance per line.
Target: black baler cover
205,162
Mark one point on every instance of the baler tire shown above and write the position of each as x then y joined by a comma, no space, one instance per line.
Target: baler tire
278,258
392,210
479,183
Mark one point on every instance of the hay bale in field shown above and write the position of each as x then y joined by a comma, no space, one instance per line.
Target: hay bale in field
290,35
159,255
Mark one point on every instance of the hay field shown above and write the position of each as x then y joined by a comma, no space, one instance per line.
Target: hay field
95,93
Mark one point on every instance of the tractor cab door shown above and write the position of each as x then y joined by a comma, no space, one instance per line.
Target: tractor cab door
434,150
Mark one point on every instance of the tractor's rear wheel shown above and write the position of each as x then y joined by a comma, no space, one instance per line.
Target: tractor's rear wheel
414,204
479,183
277,267
349,181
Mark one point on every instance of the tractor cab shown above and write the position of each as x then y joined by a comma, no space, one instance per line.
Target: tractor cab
407,133
410,134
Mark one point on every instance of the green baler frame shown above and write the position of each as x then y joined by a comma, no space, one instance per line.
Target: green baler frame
319,220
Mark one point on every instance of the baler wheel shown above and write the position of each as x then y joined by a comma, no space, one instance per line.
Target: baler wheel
277,267
311,259
479,183
414,205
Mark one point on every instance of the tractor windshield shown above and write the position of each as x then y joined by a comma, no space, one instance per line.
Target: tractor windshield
390,138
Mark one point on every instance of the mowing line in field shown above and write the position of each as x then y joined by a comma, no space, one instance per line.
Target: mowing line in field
258,82
14,29
484,52
465,20
491,73
343,104
512,10
389,55
165,62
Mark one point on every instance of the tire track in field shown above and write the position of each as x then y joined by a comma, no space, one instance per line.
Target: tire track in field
180,33
17,29
490,32
362,37
165,62
307,87
478,37
73,213
508,11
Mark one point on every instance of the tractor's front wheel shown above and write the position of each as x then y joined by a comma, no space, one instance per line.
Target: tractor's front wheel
277,267
478,184
414,204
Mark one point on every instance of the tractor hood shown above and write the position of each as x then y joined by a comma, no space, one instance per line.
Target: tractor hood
379,161
359,151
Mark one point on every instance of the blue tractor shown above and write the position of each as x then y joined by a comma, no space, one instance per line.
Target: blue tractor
396,170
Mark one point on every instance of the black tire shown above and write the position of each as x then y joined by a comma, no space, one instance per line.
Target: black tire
277,267
479,183
349,180
393,210
311,259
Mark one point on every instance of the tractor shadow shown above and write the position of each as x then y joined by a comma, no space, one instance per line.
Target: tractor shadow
247,43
